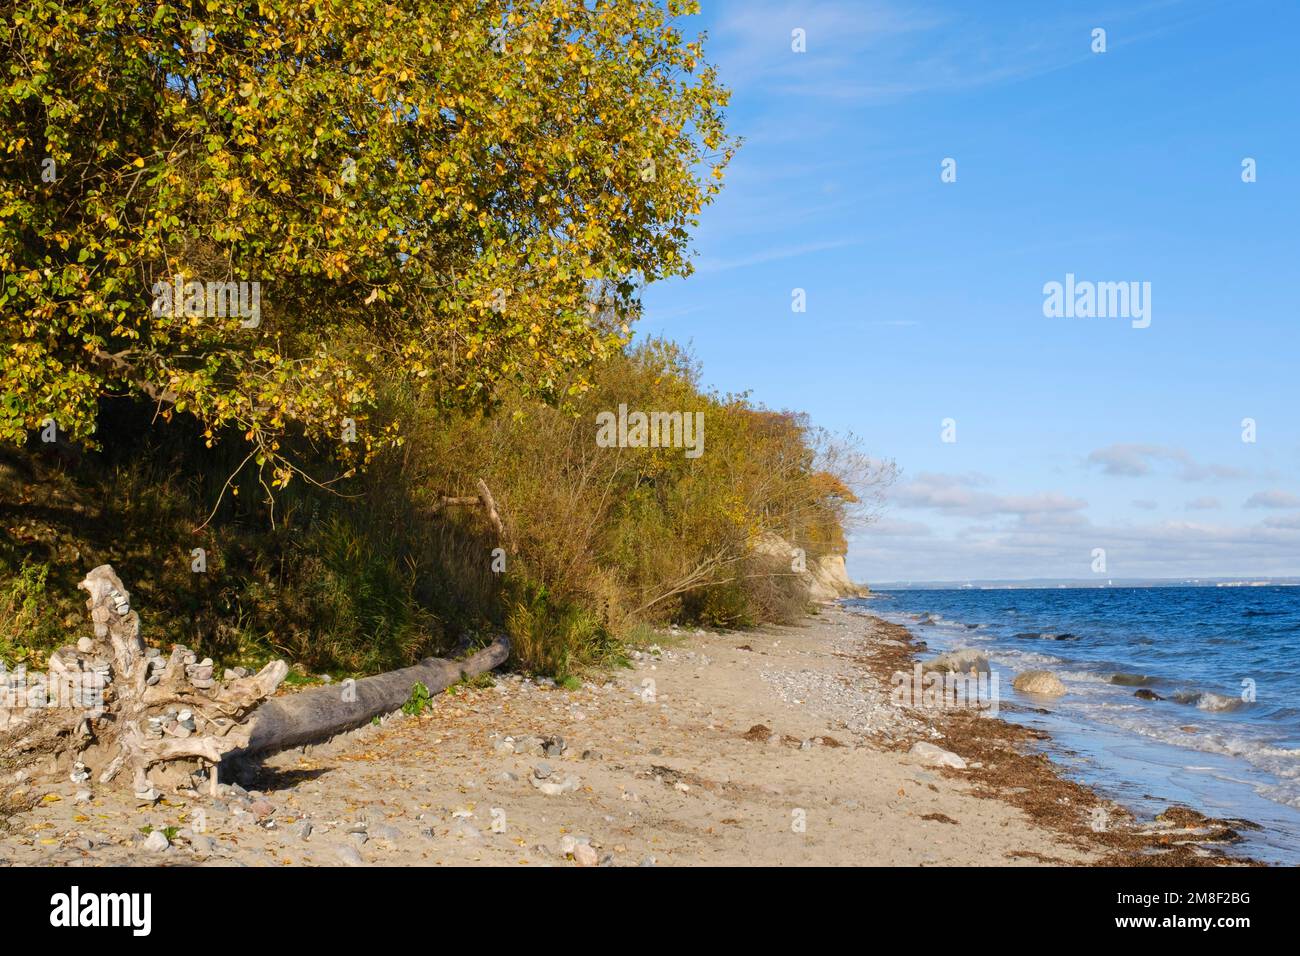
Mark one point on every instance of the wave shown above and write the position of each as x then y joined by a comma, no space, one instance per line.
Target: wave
1282,762
1206,700
1125,679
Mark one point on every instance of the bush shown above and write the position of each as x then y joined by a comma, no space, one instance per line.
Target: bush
555,639
376,571
29,628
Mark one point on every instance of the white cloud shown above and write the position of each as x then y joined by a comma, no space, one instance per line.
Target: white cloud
1133,460
959,495
1273,499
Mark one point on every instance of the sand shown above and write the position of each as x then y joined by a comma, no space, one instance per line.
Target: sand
771,747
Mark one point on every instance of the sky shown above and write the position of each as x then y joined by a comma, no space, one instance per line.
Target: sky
925,298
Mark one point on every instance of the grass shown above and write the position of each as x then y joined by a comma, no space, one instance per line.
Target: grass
30,628
557,639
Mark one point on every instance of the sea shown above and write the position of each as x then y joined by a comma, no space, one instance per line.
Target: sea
1223,739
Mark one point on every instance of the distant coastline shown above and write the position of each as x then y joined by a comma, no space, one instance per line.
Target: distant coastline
1244,581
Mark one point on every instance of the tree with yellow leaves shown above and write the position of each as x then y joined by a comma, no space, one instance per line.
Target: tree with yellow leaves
252,213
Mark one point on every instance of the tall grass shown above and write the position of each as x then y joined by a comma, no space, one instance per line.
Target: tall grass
29,626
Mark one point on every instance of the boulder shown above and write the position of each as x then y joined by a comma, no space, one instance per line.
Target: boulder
962,661
1044,683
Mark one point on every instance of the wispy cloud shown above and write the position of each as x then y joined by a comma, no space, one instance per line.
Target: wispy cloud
771,255
870,51
1273,499
1135,460
960,495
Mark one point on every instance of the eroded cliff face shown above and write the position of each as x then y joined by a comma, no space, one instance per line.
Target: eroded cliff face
830,579
826,577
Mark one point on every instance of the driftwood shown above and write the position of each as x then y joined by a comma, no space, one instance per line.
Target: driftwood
126,713
314,715
111,705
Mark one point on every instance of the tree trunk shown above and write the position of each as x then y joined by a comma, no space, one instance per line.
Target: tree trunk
315,715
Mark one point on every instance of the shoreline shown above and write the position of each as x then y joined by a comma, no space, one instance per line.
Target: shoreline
1010,762
777,746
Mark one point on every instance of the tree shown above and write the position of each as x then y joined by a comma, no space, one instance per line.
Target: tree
253,213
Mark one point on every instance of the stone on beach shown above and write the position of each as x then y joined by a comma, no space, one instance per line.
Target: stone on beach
936,756
1044,683
348,856
552,787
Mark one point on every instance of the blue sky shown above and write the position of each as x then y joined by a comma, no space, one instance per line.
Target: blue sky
925,298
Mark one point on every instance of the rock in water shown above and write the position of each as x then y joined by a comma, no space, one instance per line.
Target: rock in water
1144,694
937,756
1044,683
963,661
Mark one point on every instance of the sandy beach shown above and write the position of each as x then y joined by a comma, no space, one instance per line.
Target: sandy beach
770,747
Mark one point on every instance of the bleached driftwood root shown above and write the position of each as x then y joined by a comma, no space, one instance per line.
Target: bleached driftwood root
121,709
124,709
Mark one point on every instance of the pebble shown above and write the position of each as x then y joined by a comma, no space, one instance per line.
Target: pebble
203,844
466,830
383,831
584,855
348,856
553,788
157,842
305,830
85,645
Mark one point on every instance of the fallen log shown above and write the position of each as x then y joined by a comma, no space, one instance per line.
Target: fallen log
315,715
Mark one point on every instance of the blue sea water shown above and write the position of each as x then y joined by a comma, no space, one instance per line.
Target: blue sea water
1224,740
